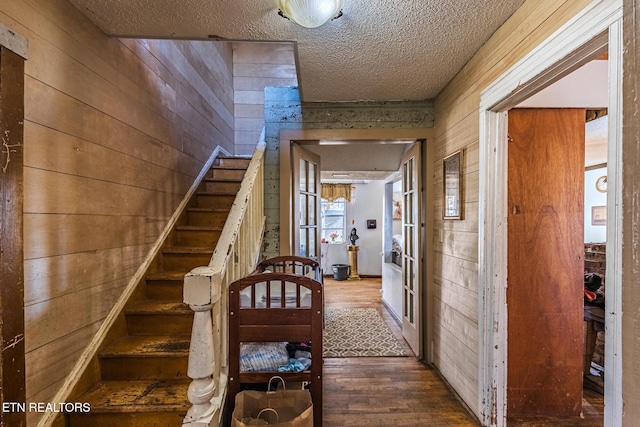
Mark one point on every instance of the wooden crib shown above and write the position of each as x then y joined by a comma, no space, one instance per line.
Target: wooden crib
272,306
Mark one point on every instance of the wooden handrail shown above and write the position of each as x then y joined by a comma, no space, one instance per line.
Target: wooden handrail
205,290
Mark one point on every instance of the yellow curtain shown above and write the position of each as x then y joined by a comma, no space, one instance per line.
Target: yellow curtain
332,192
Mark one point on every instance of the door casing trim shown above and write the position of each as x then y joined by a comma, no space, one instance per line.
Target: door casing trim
588,33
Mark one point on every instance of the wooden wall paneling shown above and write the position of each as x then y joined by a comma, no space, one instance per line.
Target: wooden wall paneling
259,83
263,53
249,110
461,271
196,90
55,276
459,134
525,30
49,364
12,323
57,195
630,190
249,97
52,150
60,234
455,295
68,313
53,109
460,244
205,58
458,361
546,262
256,66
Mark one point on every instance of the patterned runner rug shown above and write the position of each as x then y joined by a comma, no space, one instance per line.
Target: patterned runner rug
358,332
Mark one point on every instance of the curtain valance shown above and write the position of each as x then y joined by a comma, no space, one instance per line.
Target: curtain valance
332,192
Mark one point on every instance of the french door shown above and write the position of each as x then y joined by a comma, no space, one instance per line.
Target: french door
411,283
306,202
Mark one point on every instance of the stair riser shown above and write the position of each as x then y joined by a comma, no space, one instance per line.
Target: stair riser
185,262
198,238
116,368
221,187
215,201
124,419
159,324
234,162
167,290
207,219
234,174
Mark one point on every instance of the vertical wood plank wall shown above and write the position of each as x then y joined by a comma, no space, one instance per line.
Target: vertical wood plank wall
631,212
455,346
115,132
256,66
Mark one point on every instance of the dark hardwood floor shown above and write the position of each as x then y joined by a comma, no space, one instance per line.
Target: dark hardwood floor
401,391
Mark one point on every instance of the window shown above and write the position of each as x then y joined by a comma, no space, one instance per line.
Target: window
333,221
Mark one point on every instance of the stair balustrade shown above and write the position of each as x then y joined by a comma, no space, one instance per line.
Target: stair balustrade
205,291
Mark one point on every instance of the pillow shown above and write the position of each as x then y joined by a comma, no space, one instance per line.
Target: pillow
263,356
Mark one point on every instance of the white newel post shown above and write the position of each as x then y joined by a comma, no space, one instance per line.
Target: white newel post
201,293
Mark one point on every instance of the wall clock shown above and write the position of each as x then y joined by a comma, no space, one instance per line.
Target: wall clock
601,184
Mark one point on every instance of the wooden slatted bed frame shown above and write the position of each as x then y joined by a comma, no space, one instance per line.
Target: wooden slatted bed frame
261,313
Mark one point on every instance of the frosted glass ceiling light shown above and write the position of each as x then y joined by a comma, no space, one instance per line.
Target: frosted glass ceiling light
310,13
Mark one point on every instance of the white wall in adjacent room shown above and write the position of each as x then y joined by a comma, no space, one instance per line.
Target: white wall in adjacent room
368,205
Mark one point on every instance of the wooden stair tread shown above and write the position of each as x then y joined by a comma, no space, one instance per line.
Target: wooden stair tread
217,193
229,167
197,228
148,346
187,250
159,307
210,210
166,275
138,396
224,180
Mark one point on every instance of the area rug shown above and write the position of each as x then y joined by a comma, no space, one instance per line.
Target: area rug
358,332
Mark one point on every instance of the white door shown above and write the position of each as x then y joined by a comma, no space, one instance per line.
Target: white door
306,203
411,283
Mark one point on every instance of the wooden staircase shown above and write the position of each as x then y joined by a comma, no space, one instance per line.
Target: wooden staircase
140,375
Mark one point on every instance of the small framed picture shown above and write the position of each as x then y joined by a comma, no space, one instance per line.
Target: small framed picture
452,186
598,215
371,223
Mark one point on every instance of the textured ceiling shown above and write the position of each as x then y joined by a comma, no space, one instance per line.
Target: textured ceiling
378,50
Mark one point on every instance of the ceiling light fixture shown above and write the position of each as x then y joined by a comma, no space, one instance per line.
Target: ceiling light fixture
310,13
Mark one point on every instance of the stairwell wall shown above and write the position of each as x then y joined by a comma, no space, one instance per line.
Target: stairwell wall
115,132
256,66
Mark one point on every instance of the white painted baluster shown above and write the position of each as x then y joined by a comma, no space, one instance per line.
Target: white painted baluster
205,291
201,295
201,364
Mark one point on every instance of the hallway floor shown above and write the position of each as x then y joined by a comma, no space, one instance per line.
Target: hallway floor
400,391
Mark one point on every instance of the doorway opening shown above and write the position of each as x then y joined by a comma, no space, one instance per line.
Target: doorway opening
567,50
365,224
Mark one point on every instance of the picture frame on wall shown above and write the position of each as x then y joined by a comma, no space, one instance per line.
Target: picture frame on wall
598,215
397,206
452,186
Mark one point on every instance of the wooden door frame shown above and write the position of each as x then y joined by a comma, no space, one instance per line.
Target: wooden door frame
597,26
289,136
13,52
